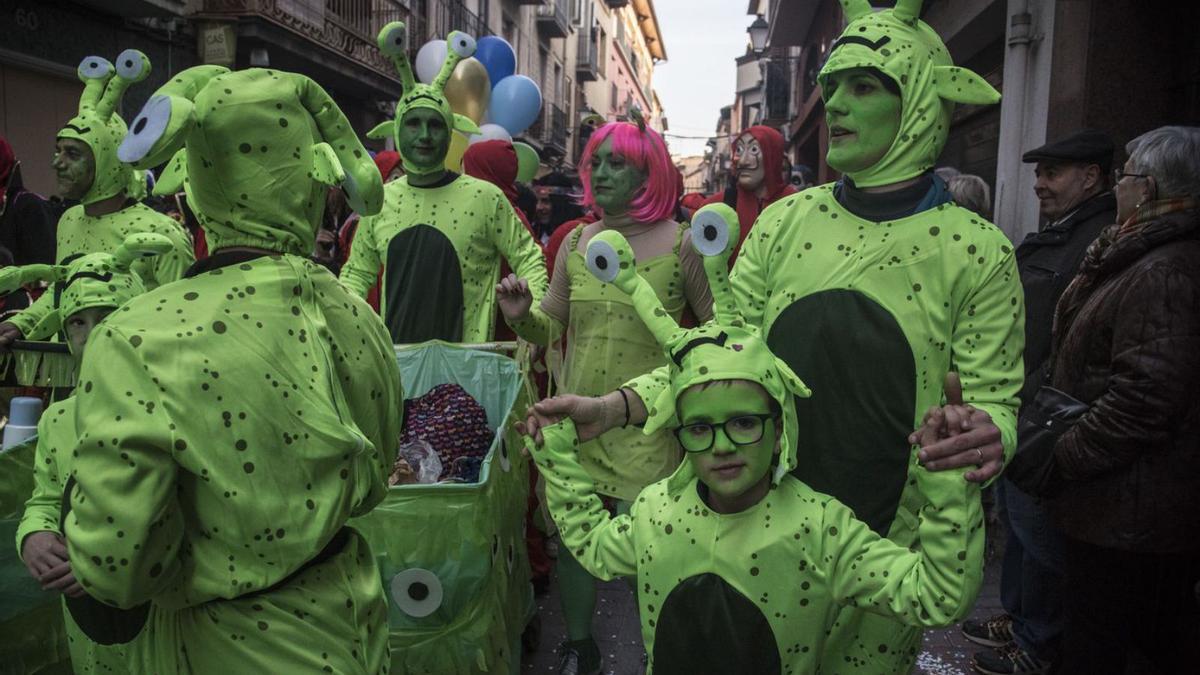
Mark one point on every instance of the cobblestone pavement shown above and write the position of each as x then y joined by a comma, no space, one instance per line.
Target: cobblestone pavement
946,651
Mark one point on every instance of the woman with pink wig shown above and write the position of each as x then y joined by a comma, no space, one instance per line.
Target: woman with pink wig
629,179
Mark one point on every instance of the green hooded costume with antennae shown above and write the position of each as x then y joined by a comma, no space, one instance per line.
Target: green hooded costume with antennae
232,422
95,280
439,246
874,314
754,591
100,126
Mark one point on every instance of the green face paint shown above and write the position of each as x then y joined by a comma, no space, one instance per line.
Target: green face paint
423,140
863,119
615,182
74,168
737,476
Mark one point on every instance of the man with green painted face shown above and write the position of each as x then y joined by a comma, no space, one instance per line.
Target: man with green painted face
87,170
873,289
441,235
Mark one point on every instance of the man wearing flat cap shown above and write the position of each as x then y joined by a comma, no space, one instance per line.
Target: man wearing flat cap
1077,202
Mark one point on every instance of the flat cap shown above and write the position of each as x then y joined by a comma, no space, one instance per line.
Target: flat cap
1089,145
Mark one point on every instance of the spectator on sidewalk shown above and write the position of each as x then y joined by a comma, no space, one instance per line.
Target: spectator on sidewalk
971,193
1124,481
27,220
1073,191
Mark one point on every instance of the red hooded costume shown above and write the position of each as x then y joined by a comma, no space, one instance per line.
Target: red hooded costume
747,203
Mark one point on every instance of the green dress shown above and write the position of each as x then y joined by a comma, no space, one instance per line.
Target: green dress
254,408
80,234
872,316
607,344
439,249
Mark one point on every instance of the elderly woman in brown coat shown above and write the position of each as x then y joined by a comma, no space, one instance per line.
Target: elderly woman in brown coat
1127,342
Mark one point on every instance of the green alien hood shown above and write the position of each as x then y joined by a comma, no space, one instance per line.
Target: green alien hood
258,149
901,46
99,126
725,348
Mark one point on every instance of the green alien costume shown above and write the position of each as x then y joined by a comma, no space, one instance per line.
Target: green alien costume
439,246
754,591
874,314
230,423
99,126
95,280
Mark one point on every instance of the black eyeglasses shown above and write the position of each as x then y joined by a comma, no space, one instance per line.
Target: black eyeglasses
1119,174
740,430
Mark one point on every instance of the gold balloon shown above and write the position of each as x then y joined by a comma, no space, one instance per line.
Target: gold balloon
458,148
469,89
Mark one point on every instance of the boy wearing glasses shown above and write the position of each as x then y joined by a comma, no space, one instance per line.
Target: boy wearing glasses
740,566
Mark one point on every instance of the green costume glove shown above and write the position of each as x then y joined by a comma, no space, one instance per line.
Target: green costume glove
262,190
901,46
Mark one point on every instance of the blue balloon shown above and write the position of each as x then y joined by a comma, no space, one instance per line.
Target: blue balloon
497,56
516,103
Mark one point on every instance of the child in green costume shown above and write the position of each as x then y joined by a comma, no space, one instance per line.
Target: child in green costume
740,566
89,170
627,171
89,289
872,290
232,422
440,236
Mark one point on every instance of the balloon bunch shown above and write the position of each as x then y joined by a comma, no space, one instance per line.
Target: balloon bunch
486,89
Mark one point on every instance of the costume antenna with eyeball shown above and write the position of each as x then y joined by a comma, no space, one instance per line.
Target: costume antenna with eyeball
98,126
392,42
725,348
256,150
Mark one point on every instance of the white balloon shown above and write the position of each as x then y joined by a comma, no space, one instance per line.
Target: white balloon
430,58
491,132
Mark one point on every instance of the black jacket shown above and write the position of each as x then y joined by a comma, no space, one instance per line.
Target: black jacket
28,224
1047,261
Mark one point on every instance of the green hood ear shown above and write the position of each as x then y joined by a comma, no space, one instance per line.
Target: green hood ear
137,246
161,127
382,131
963,86
465,125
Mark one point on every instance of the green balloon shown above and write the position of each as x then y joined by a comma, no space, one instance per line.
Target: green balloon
527,161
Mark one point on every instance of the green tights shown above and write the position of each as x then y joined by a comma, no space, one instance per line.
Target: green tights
578,590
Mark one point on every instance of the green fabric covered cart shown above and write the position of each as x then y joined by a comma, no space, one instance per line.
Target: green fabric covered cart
452,555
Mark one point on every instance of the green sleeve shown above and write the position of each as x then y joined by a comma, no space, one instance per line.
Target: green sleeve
537,327
602,544
44,506
362,267
124,506
988,345
516,244
171,265
29,318
933,585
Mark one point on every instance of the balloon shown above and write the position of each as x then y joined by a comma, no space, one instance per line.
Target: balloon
491,132
469,90
497,56
527,161
429,60
458,148
516,103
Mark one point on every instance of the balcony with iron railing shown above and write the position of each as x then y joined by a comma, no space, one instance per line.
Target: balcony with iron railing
345,27
587,61
445,16
553,21
550,130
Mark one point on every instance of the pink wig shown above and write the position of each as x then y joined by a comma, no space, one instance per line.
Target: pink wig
644,150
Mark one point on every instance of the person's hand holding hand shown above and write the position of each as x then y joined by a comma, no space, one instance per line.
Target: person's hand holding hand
592,415
965,436
9,333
